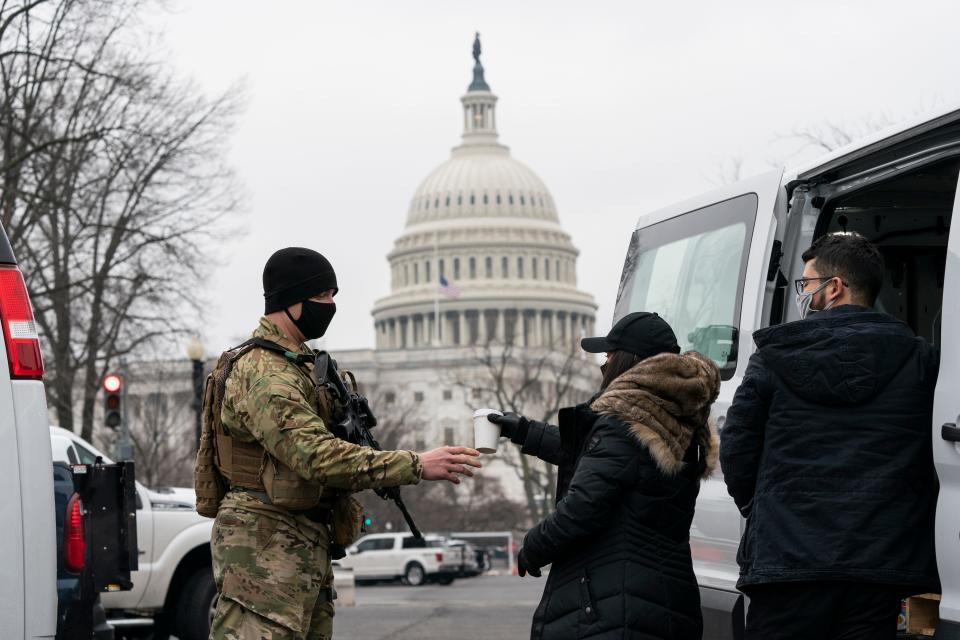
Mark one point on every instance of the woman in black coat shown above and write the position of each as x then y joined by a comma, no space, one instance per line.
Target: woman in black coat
630,463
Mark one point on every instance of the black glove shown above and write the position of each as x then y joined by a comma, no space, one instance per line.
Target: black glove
510,423
524,566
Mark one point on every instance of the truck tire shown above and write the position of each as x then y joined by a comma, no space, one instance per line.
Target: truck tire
414,575
195,606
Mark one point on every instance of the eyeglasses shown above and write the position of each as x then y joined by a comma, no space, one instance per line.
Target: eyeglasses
801,283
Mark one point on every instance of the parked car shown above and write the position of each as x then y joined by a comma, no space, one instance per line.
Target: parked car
719,266
392,556
28,606
173,590
466,557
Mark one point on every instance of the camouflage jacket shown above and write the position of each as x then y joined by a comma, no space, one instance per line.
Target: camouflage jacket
274,401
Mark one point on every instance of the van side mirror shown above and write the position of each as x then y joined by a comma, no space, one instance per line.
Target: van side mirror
353,550
717,342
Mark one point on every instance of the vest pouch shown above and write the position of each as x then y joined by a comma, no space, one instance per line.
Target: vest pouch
287,489
347,520
208,482
209,485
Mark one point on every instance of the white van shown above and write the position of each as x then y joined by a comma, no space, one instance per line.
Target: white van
717,267
28,591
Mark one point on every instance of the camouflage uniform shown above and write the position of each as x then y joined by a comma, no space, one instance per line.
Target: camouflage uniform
272,566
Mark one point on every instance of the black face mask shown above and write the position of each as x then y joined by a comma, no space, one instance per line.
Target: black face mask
314,318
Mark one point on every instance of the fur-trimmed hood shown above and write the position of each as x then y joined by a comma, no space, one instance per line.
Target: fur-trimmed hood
665,400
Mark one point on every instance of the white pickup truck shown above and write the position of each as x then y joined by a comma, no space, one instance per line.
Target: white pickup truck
388,556
173,591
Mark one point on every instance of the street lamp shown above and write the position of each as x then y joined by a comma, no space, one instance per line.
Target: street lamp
195,353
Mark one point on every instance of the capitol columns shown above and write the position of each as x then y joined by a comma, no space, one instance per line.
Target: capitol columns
448,337
464,329
537,328
482,336
507,331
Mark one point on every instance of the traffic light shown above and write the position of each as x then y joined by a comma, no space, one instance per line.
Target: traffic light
113,400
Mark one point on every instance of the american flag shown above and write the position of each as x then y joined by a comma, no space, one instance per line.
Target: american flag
449,289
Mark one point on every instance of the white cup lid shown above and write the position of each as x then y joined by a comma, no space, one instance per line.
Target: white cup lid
484,412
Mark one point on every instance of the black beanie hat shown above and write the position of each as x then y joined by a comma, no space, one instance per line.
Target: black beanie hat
294,274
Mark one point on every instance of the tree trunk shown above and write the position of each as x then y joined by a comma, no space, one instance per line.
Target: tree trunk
91,384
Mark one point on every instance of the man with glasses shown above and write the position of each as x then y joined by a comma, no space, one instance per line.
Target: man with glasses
826,450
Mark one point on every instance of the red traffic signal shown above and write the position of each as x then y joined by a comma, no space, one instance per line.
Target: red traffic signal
112,400
112,383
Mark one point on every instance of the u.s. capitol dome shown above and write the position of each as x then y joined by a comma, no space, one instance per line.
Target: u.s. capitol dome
487,224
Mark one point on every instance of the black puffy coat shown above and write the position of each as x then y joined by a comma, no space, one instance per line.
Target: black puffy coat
628,478
827,452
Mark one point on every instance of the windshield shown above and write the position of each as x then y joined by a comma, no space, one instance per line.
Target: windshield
690,270
86,456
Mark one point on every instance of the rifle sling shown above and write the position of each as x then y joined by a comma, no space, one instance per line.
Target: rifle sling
269,345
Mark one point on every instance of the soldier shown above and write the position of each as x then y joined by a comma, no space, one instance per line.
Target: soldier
272,535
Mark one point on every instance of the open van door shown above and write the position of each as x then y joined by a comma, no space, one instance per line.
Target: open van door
704,266
946,441
703,263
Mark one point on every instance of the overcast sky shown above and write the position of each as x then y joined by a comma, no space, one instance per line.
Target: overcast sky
620,107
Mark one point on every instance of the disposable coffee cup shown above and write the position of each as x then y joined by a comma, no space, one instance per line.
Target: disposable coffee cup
486,435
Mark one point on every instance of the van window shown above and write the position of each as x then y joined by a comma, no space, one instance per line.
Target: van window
690,270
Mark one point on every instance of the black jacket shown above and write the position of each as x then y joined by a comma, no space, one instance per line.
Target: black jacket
827,452
628,480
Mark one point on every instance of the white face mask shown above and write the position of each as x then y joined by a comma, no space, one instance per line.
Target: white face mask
805,299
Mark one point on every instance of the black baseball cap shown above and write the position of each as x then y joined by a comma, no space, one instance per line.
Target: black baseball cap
641,333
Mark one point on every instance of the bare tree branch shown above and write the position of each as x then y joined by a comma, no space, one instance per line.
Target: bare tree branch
112,186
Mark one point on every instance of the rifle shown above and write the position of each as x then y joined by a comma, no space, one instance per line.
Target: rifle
355,422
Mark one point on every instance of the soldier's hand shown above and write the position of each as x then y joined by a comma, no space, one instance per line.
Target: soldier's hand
445,463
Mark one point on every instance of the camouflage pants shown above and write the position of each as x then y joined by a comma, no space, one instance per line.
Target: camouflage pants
273,576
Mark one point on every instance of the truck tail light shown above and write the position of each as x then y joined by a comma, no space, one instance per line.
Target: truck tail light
439,556
74,536
19,329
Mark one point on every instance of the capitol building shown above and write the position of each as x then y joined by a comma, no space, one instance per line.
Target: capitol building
512,314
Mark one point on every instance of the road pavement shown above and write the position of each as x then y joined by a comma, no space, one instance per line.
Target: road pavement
489,607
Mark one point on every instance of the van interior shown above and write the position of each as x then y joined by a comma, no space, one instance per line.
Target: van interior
908,218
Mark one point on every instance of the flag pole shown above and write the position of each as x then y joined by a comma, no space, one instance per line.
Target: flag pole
436,295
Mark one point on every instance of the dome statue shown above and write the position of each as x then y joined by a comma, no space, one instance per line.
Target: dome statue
482,258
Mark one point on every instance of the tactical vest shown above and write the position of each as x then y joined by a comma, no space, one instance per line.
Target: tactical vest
225,462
